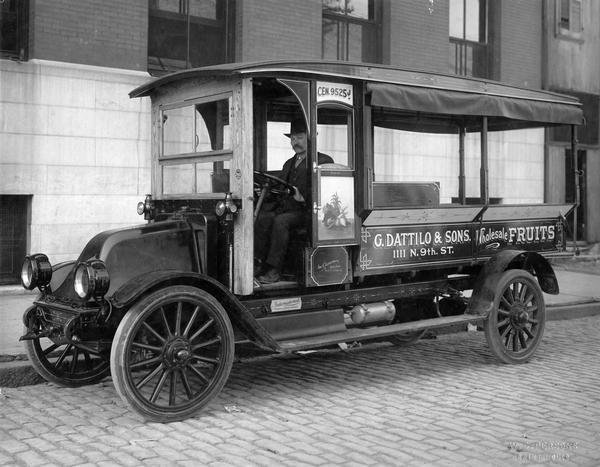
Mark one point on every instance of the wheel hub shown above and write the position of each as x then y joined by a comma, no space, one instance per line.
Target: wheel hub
519,316
177,353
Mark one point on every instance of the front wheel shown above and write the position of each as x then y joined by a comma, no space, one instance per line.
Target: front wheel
172,353
64,362
515,325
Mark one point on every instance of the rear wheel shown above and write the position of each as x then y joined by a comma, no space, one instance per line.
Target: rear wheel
407,338
172,353
515,325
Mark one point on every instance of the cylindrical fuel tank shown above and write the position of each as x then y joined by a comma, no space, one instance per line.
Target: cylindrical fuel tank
369,313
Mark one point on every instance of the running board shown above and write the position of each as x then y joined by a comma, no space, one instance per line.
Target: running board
358,334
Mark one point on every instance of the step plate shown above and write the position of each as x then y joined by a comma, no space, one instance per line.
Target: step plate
358,334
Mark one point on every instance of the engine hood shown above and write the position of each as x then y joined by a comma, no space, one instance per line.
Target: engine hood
134,251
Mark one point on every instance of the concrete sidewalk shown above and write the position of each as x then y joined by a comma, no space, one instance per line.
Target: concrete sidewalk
579,296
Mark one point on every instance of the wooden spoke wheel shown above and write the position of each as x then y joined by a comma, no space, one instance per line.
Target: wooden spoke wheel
515,325
172,353
65,363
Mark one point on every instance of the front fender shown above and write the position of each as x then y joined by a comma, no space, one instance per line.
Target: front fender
484,290
240,317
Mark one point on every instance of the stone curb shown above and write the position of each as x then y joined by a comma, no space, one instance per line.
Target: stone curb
18,373
16,290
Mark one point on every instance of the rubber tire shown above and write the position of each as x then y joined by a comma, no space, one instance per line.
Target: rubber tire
406,339
128,329
44,368
492,334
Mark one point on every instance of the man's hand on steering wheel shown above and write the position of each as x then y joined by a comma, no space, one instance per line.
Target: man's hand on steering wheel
273,184
297,195
266,183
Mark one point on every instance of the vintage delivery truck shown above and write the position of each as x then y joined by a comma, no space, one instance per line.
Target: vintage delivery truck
423,209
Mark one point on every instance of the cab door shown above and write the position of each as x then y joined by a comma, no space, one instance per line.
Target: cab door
334,218
333,182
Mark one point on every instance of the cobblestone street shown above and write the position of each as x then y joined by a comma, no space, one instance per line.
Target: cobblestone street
440,402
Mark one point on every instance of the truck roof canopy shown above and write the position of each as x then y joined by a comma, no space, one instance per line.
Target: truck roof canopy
410,90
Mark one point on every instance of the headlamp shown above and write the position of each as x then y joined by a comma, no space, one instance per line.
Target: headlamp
145,207
231,206
36,272
226,206
220,208
91,279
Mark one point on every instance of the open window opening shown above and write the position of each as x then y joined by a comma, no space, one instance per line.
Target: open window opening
276,105
427,160
415,159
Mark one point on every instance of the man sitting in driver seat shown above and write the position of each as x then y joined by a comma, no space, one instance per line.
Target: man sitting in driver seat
272,229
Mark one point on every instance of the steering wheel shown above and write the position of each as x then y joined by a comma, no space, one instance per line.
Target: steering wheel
266,183
273,184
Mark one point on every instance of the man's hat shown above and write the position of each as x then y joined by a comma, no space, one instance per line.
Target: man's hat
296,126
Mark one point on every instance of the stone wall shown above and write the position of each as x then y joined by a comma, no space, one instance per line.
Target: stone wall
73,140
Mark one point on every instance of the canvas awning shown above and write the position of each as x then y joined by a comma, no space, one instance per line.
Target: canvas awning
524,108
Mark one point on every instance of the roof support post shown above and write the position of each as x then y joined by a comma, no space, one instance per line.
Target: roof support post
483,173
576,174
462,196
241,180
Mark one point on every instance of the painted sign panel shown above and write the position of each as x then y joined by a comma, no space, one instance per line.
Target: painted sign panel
329,265
530,235
387,247
336,92
336,216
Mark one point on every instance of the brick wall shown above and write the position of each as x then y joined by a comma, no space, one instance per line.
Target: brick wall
110,33
418,34
521,42
278,29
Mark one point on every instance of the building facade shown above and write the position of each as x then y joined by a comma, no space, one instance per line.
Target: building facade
74,149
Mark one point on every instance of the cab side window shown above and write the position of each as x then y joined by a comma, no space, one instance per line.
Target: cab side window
335,136
196,148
